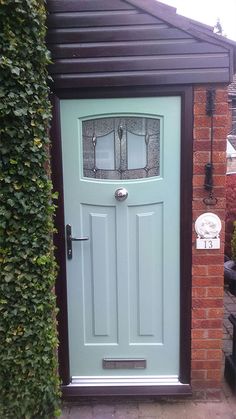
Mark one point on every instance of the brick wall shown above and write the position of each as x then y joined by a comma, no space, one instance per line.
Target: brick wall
207,269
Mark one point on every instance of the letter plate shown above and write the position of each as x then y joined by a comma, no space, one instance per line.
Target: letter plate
123,364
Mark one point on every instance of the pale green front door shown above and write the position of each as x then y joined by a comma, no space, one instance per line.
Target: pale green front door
123,282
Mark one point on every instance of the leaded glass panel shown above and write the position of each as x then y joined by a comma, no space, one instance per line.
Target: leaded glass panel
121,147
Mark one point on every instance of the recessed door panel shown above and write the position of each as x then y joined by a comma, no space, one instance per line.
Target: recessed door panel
99,276
146,274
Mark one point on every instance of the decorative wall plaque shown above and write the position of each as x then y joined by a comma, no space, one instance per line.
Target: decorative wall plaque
208,227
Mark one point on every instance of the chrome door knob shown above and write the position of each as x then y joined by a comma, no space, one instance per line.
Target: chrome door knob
121,194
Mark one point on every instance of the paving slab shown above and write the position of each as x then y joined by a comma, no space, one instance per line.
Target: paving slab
154,409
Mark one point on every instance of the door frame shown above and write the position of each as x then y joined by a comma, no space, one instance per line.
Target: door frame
186,170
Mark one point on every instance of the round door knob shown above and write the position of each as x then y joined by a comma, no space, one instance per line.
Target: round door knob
121,194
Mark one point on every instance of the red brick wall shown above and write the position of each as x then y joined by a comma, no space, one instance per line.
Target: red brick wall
207,269
230,216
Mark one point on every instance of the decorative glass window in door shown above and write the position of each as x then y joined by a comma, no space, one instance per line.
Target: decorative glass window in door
121,147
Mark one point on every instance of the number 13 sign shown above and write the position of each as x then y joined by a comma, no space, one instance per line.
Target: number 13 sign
208,227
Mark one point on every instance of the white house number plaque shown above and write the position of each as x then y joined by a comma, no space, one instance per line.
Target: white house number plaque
208,227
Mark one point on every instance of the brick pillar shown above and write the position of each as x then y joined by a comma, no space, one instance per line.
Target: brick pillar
207,269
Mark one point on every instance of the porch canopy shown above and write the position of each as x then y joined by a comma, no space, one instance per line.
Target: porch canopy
100,43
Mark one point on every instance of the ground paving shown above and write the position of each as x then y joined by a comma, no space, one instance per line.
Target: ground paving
154,409
151,408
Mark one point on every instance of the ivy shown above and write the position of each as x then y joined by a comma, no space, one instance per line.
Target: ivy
29,385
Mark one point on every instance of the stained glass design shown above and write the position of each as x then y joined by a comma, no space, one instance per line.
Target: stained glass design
121,148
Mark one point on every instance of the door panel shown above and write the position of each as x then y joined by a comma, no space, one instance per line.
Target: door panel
123,283
145,274
99,276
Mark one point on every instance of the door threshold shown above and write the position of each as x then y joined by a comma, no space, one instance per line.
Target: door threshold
87,381
125,386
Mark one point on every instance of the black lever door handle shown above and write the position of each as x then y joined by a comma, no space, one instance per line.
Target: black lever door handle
70,239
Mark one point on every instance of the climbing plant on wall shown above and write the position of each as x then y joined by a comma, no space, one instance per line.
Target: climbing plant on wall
29,386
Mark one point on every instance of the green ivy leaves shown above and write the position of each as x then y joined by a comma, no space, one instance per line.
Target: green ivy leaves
29,385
